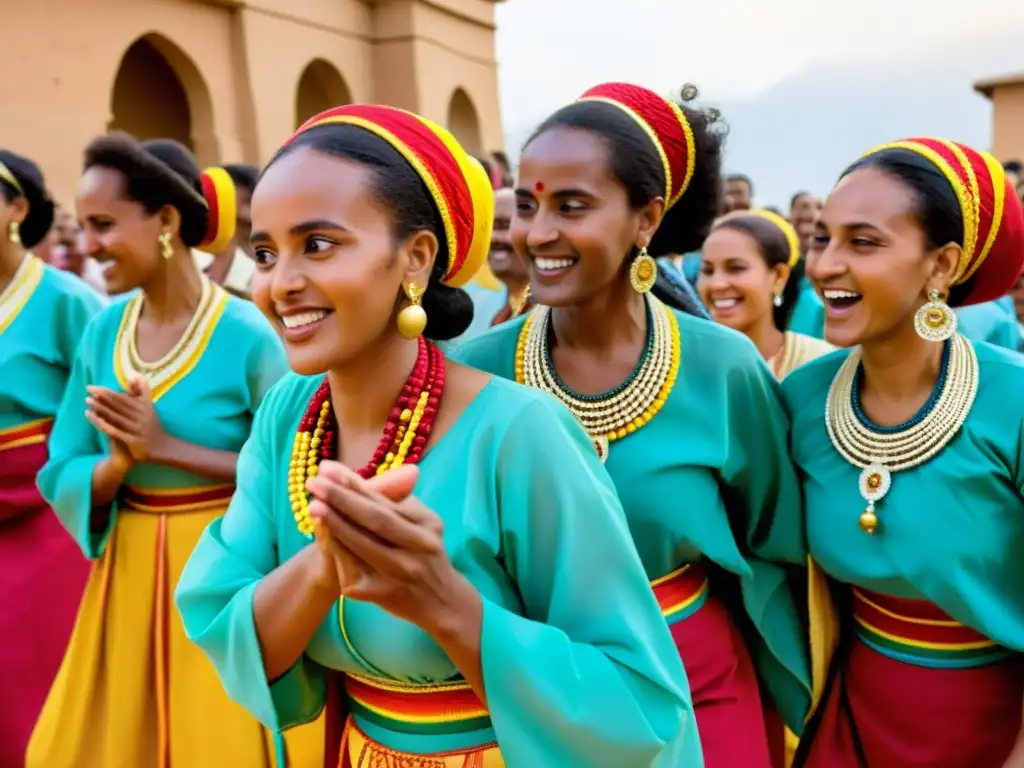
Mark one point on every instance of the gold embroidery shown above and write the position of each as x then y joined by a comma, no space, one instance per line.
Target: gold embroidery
17,293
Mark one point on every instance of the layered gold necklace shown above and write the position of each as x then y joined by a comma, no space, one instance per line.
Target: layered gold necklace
882,451
611,415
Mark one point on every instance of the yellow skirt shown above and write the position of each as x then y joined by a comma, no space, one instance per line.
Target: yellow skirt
132,691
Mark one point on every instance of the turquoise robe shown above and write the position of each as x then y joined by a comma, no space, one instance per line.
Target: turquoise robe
719,446
578,664
808,315
952,529
990,322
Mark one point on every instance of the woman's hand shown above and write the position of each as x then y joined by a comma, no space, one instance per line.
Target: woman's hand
128,419
388,548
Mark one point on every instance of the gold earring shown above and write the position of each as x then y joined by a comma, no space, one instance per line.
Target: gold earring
166,249
14,232
643,272
413,318
935,321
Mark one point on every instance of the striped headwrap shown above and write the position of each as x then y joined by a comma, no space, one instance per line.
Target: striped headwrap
993,244
222,200
457,183
664,122
787,229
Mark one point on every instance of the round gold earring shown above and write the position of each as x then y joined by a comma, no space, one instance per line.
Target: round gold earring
935,321
412,320
166,249
643,272
14,232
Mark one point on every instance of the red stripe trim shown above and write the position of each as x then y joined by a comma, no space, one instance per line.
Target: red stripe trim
213,220
679,587
19,435
913,620
144,500
422,703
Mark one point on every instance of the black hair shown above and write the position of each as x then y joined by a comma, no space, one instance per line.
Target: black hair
635,163
743,178
936,205
157,172
774,248
1013,166
244,176
795,198
399,188
39,219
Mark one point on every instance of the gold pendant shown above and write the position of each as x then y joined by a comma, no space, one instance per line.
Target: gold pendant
601,446
875,481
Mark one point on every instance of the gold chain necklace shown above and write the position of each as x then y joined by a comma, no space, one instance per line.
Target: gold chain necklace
880,454
622,411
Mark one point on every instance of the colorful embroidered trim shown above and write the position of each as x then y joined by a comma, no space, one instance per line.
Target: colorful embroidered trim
681,593
179,501
32,433
17,293
360,751
418,709
920,633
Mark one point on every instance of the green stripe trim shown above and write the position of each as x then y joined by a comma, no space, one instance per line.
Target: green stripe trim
932,657
404,726
688,611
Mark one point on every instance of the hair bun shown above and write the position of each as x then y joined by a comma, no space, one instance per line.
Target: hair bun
222,200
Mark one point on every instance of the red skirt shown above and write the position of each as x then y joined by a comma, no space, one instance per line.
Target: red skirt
885,712
42,575
723,684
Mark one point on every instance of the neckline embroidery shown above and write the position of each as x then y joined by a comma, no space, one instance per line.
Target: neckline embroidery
164,373
21,288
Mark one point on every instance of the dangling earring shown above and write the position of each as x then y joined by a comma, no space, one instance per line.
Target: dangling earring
413,318
643,272
777,301
166,249
517,303
14,232
935,321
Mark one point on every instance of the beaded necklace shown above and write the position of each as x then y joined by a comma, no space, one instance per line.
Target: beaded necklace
404,439
621,411
881,451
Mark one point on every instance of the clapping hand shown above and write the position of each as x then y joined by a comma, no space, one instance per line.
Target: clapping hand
127,418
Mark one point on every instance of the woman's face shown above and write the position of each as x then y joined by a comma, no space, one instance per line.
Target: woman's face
119,233
329,275
736,284
573,226
871,265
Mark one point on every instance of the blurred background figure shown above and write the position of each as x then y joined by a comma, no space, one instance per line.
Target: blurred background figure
739,193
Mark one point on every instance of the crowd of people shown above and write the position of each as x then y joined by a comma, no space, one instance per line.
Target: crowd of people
385,456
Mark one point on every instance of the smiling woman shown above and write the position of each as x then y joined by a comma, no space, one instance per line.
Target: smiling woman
161,396
914,478
668,398
436,597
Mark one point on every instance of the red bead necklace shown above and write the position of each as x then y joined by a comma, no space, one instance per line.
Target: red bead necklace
404,439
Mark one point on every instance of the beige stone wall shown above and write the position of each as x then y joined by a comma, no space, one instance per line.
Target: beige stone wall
1008,122
239,65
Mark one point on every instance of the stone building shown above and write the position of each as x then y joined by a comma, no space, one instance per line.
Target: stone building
232,78
1007,96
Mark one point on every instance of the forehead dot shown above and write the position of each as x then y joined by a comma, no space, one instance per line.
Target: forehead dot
539,186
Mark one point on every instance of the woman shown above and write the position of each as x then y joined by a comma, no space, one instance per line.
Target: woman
745,283
494,645
228,263
670,400
504,263
143,453
42,314
925,559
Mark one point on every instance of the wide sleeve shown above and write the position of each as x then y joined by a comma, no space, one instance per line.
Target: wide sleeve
590,675
75,448
217,587
266,364
75,310
758,473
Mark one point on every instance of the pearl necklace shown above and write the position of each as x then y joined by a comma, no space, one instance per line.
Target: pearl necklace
620,412
882,452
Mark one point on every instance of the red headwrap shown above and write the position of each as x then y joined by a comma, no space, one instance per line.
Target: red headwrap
664,123
993,246
458,184
222,198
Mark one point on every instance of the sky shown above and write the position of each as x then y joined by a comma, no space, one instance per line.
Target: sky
804,86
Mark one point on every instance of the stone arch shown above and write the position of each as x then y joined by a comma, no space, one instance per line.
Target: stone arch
158,92
464,122
320,87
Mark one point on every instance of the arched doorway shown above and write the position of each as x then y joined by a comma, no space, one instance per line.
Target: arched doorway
321,87
159,93
464,123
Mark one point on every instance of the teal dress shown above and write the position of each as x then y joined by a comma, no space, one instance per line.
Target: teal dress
710,477
578,665
42,315
162,689
990,322
808,315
